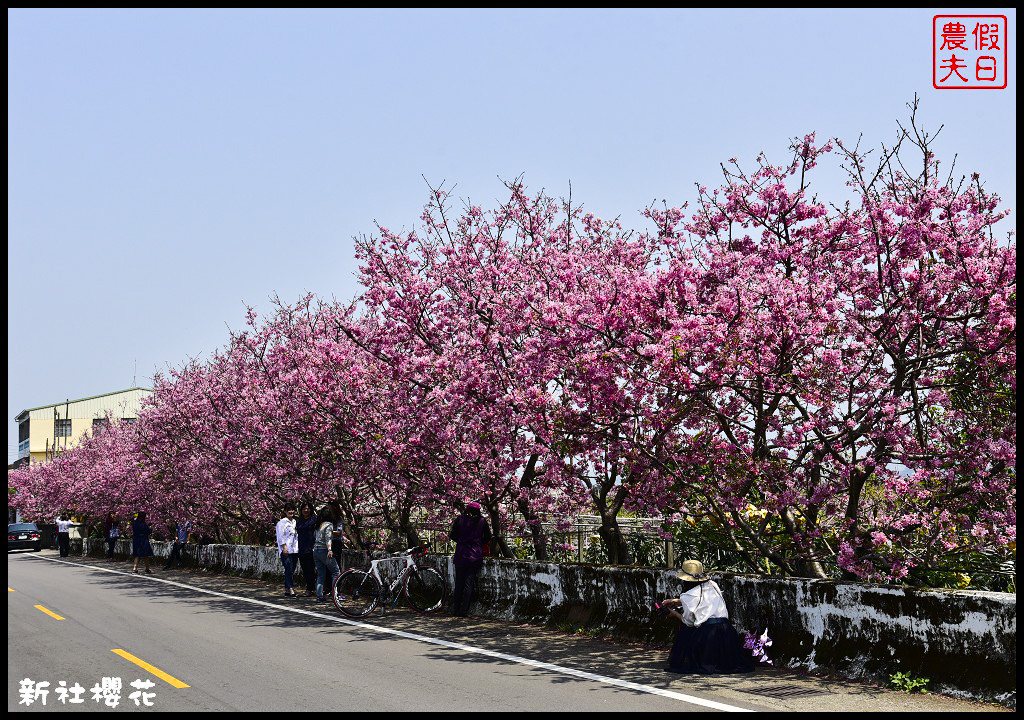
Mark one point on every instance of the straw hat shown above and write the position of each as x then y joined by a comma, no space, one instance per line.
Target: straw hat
693,571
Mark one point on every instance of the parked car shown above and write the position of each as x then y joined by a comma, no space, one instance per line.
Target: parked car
24,535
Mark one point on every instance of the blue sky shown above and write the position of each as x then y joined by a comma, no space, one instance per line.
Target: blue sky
167,167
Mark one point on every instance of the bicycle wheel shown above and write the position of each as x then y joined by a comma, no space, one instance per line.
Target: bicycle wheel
425,589
356,593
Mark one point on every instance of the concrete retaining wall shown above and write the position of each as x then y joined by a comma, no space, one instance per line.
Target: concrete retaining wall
963,641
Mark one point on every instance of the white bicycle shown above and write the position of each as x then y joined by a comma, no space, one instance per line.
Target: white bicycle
357,593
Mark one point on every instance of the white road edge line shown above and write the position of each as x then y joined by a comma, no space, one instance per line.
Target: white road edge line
559,669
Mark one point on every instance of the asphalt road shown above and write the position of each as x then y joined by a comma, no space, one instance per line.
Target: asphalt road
215,643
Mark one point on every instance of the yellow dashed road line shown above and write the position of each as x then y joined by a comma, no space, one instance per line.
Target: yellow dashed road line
169,679
52,614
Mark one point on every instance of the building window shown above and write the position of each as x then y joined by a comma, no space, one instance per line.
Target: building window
62,428
99,425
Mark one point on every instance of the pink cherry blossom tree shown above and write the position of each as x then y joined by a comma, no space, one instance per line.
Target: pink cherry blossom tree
843,339
822,384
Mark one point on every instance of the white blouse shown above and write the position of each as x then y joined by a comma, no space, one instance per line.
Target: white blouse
64,526
287,536
702,603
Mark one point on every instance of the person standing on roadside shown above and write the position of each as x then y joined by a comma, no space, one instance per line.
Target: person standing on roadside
180,538
140,543
64,526
338,536
470,533
305,527
111,533
288,546
323,552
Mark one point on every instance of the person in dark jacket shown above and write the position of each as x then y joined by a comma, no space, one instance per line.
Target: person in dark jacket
140,543
305,527
338,536
470,533
111,532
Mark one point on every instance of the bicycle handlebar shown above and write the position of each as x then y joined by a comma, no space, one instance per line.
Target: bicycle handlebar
417,550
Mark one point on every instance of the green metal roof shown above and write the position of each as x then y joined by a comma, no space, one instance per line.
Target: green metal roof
68,402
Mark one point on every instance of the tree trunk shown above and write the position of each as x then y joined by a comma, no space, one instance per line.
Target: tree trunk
412,537
498,541
609,498
614,541
811,569
540,540
406,528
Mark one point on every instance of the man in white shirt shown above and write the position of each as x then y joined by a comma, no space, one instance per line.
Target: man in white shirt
288,546
64,526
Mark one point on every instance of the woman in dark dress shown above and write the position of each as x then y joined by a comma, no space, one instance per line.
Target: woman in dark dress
706,643
140,543
305,527
470,532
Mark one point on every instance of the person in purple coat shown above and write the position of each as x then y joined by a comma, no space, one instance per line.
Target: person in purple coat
470,532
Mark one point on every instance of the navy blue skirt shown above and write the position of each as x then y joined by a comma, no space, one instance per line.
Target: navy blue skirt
713,648
141,547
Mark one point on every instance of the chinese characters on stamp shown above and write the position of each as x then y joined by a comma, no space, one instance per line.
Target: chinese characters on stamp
969,52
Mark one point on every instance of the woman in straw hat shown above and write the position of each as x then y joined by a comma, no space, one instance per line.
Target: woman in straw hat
706,643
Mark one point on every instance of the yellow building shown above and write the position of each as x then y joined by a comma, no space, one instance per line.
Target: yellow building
49,429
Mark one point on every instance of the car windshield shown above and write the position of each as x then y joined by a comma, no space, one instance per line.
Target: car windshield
21,527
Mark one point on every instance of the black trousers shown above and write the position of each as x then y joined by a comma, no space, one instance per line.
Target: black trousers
175,555
308,565
465,587
111,541
64,544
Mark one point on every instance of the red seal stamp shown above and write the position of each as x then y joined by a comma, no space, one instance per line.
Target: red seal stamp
969,52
